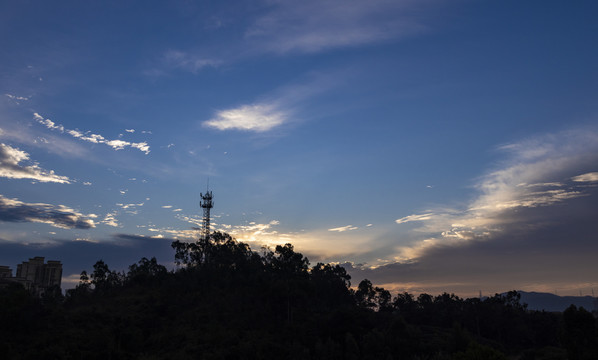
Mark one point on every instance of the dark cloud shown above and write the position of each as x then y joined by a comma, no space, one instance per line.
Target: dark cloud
13,210
540,248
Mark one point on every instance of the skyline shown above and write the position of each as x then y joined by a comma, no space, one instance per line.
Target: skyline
426,146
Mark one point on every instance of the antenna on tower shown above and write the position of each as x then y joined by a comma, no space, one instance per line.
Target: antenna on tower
206,203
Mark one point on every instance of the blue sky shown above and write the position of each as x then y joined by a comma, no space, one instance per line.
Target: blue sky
427,145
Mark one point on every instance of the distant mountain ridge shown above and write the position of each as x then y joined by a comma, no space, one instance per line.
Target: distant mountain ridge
552,302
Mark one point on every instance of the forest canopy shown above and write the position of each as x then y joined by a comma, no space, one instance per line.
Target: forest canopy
226,301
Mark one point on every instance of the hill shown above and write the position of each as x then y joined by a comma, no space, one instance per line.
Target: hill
551,302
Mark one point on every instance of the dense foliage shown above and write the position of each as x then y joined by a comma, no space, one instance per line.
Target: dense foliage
226,301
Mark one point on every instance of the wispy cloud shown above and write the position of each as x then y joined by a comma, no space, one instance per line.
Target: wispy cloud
312,26
90,137
278,108
344,228
130,208
60,216
188,62
414,217
16,98
255,117
10,167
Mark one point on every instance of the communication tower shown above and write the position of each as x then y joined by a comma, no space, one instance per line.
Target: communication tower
206,203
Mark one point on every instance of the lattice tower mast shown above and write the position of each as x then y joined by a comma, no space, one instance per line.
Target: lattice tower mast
206,203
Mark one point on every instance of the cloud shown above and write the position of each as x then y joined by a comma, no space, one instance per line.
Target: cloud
185,61
537,173
110,219
130,208
10,167
136,237
13,210
529,226
18,132
344,228
16,98
256,233
255,117
313,26
589,177
414,217
92,138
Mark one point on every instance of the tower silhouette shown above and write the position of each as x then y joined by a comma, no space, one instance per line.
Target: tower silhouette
206,203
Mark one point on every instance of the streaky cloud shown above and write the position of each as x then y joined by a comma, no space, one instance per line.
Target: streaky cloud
10,167
188,62
414,217
344,228
315,26
92,138
135,237
589,177
16,98
60,216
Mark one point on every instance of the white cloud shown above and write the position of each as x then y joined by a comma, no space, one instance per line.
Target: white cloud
256,117
344,228
414,217
16,98
130,130
589,177
92,138
48,123
110,219
130,208
10,167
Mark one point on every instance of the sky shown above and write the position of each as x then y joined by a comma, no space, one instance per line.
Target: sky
429,146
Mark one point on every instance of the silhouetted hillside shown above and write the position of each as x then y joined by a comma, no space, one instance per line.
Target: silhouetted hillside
229,302
552,302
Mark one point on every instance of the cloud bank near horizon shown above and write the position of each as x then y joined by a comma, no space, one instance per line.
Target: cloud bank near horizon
538,205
